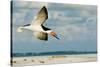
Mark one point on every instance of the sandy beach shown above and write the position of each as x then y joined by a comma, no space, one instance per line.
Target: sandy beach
38,60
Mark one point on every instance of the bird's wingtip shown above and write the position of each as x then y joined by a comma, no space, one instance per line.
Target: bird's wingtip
44,7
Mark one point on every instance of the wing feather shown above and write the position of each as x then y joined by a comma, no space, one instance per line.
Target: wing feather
41,35
41,17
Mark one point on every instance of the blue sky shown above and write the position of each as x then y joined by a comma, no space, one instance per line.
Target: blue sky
74,24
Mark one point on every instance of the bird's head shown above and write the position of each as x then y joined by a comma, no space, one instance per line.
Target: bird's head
54,34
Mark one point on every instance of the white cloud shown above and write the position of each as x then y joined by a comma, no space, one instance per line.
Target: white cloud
38,4
18,17
92,20
72,32
21,3
30,4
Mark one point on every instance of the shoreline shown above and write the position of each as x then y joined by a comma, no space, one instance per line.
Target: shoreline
55,59
55,55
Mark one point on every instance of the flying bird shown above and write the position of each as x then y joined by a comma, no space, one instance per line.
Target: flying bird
37,27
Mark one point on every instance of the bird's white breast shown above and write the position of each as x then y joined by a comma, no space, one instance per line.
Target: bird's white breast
37,28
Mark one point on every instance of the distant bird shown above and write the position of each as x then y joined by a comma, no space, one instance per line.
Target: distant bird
40,31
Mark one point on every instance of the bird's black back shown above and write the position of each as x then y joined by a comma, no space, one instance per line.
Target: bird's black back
45,28
27,25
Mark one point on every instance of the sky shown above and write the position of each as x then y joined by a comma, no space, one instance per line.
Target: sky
75,26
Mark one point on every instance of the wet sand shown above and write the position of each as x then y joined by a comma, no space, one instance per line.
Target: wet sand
38,60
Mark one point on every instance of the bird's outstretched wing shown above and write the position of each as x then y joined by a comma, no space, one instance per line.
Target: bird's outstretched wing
41,17
41,35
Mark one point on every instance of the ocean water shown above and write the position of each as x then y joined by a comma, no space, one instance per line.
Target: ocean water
51,53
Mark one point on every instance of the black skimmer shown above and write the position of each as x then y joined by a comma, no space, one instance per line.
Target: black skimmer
39,30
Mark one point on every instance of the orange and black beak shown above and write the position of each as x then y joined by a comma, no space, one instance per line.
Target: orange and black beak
54,35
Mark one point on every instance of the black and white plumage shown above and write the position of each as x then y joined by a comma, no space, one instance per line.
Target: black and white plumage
39,30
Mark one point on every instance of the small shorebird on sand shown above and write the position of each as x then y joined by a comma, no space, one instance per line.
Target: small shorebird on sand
39,30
